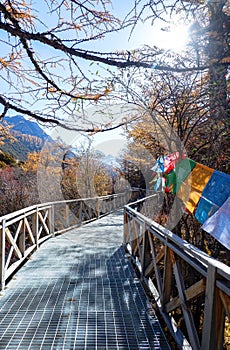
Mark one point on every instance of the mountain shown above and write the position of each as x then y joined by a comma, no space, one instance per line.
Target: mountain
25,126
111,161
29,137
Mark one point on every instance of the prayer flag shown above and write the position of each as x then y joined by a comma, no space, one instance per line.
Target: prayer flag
159,165
213,196
175,178
192,188
171,160
158,184
218,225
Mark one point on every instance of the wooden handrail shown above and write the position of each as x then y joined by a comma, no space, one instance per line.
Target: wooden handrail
186,283
23,231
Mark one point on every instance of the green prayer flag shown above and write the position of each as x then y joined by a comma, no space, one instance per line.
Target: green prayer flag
175,178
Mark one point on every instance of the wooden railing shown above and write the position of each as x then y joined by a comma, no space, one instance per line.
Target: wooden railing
189,288
23,231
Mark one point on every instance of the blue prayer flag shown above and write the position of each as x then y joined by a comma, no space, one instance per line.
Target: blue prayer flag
213,196
218,225
159,165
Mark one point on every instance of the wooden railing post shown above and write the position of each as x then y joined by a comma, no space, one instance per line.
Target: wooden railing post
126,228
145,256
212,326
98,208
133,236
187,313
80,212
67,214
35,227
51,220
2,254
167,277
114,203
22,238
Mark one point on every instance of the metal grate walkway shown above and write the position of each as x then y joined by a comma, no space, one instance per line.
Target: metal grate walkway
79,291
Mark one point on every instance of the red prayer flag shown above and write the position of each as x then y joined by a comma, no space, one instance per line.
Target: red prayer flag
171,160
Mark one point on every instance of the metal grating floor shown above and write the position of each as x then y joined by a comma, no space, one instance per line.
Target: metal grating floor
79,291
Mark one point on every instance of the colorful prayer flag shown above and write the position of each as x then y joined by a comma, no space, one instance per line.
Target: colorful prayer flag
215,193
159,165
175,178
191,189
160,184
218,225
171,160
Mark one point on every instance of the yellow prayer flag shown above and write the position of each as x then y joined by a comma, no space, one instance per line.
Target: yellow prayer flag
192,188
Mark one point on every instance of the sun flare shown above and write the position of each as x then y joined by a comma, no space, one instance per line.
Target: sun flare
175,38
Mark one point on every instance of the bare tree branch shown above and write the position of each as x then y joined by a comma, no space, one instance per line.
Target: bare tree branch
32,79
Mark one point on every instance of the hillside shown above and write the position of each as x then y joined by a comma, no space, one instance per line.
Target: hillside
28,136
25,126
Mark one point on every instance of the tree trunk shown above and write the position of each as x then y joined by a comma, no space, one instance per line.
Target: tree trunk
217,52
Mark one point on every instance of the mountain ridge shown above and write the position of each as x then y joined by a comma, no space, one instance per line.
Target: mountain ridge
27,137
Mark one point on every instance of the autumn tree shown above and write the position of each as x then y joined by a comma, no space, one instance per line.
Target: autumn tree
92,177
17,189
176,118
136,162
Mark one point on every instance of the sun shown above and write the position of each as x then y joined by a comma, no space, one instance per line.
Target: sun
174,38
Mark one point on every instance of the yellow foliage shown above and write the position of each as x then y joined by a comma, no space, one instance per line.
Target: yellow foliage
32,163
77,26
208,251
226,60
48,160
12,61
20,10
51,89
5,134
94,97
4,63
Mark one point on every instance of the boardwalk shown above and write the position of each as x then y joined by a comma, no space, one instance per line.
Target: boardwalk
78,291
